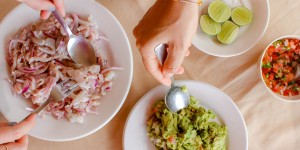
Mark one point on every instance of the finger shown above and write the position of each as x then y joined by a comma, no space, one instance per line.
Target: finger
151,62
39,4
12,133
180,70
3,124
176,54
20,144
152,67
60,6
23,141
187,53
44,14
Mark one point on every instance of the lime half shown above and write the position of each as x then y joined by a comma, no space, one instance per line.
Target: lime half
229,32
241,16
219,11
209,26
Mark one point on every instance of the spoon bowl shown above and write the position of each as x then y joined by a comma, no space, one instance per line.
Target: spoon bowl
80,50
176,98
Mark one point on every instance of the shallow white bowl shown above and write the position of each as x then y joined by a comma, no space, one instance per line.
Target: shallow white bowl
248,35
13,107
278,96
135,131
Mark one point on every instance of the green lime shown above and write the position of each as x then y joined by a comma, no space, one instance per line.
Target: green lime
229,32
209,26
219,11
241,16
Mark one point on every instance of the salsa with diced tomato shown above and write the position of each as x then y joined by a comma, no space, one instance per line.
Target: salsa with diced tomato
279,66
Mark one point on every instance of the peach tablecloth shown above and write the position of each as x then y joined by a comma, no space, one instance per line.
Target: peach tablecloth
271,123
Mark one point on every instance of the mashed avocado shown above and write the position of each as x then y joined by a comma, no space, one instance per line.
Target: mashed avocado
189,129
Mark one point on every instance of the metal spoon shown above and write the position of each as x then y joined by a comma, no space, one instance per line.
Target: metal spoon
175,98
80,50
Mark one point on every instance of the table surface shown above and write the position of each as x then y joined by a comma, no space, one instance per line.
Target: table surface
271,123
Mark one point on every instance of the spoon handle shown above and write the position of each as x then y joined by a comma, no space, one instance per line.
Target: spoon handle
161,54
61,20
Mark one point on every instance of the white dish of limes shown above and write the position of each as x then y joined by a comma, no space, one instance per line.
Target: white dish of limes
231,27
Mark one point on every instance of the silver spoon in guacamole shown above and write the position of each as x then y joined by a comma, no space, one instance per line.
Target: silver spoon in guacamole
177,97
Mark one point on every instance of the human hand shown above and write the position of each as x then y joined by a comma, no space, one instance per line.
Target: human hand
170,22
46,6
14,137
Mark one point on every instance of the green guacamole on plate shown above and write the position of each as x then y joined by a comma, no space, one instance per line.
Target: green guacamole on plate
189,129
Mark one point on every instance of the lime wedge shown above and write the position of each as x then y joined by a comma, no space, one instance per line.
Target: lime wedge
219,11
229,32
209,26
241,16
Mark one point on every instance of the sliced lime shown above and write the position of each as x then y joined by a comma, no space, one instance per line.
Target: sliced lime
209,26
241,16
228,33
219,11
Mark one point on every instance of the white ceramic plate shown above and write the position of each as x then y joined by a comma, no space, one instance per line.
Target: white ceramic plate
135,132
248,35
13,107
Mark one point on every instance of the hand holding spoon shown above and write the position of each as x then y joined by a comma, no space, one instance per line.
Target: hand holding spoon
80,50
176,98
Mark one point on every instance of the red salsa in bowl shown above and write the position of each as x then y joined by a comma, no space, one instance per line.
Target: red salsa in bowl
279,65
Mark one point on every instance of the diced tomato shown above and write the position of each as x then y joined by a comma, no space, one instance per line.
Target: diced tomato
289,76
297,51
288,69
267,59
154,109
287,92
276,90
266,70
171,139
271,76
286,56
271,50
274,83
274,57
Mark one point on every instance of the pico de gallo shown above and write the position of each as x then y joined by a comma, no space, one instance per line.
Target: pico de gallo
279,66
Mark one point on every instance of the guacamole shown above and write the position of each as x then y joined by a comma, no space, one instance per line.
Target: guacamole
189,129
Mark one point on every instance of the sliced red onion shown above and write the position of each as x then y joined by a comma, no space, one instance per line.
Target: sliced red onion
49,35
96,83
110,68
59,62
25,89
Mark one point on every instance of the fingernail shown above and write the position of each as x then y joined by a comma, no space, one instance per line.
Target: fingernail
51,8
11,123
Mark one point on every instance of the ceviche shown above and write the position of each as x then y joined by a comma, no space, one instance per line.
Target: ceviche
189,129
279,66
38,59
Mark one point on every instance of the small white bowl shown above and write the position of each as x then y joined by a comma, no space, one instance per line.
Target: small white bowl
278,96
248,36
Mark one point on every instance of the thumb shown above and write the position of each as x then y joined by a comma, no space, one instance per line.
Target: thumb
39,4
